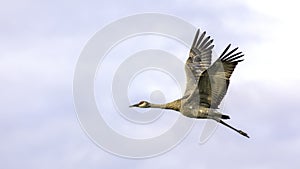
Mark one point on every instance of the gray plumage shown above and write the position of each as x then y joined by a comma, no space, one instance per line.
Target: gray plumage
206,84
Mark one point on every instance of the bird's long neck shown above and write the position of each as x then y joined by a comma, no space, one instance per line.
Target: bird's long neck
160,106
175,105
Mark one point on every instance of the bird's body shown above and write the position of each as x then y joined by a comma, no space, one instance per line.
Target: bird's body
206,84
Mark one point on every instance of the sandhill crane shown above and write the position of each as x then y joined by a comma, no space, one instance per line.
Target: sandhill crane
206,84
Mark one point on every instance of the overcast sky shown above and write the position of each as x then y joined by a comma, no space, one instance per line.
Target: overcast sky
41,42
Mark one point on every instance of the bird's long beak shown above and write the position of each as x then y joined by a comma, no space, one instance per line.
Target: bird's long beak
134,105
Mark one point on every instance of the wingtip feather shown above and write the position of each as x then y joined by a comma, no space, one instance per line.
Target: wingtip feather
196,37
226,49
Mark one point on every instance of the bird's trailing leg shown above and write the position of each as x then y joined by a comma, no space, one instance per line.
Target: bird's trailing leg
239,131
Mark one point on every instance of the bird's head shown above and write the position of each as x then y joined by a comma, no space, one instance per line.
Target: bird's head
142,104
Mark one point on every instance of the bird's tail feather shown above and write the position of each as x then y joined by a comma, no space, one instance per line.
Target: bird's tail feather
225,117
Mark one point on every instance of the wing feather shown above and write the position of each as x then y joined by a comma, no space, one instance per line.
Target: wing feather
214,81
198,61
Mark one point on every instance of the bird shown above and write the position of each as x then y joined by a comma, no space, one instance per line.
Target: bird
206,83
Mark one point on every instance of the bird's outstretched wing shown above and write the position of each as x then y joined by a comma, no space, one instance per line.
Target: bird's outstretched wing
198,61
214,81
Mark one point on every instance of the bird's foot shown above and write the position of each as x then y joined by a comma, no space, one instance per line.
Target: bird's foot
243,133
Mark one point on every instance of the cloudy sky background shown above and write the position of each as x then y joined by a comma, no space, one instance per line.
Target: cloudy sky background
41,42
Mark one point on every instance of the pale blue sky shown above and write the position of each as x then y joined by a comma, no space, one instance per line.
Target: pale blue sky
41,42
